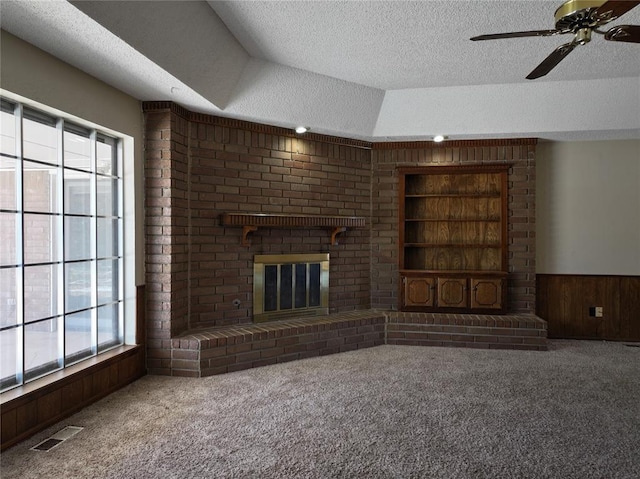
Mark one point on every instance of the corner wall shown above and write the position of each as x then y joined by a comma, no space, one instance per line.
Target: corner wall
200,166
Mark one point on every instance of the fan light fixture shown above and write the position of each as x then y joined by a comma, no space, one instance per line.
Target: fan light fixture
439,138
301,130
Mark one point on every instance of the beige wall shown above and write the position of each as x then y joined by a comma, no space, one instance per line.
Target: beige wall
37,76
588,207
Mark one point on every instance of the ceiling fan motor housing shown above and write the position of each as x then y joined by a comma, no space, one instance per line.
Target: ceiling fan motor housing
575,15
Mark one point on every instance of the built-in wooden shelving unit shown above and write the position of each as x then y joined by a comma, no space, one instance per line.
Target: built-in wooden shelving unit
453,238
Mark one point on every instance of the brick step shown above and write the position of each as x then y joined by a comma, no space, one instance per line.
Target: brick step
525,332
218,351
234,348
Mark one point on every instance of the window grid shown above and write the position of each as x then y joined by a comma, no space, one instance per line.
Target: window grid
73,331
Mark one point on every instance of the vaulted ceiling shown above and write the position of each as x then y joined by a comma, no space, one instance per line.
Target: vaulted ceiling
372,70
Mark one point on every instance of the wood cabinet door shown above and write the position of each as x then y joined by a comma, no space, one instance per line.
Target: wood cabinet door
486,293
418,291
452,293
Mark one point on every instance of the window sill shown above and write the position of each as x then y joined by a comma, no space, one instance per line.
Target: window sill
58,378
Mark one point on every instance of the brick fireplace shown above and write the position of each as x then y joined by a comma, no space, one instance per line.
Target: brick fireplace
200,269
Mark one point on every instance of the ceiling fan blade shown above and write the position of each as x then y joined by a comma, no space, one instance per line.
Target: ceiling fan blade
614,8
624,33
552,60
532,33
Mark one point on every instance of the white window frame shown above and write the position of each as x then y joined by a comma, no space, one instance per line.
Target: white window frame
126,251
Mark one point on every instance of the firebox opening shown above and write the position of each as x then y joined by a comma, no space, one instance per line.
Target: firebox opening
290,285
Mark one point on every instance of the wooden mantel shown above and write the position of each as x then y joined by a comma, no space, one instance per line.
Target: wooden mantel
250,222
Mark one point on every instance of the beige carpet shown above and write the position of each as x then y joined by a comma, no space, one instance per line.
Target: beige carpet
385,412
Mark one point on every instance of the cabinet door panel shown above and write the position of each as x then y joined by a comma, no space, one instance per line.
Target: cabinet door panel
452,293
486,293
418,291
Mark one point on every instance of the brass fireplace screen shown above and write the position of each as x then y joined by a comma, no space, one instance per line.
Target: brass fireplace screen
290,285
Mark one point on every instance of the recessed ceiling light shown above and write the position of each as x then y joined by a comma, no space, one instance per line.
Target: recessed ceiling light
439,138
301,129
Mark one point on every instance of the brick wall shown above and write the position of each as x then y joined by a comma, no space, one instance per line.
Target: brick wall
166,239
387,157
199,166
235,169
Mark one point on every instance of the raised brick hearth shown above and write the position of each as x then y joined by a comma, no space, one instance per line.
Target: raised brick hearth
223,350
516,331
218,351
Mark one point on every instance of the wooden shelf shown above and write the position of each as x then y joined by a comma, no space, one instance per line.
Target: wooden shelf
452,245
449,220
452,272
250,222
454,195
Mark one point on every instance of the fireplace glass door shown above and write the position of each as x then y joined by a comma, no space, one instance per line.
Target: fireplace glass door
290,285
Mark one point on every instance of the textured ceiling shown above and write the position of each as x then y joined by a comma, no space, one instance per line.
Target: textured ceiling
396,45
374,70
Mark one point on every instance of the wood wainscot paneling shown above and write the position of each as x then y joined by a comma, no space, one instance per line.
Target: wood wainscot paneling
33,407
568,302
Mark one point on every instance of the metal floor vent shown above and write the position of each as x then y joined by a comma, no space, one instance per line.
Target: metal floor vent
636,345
57,439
